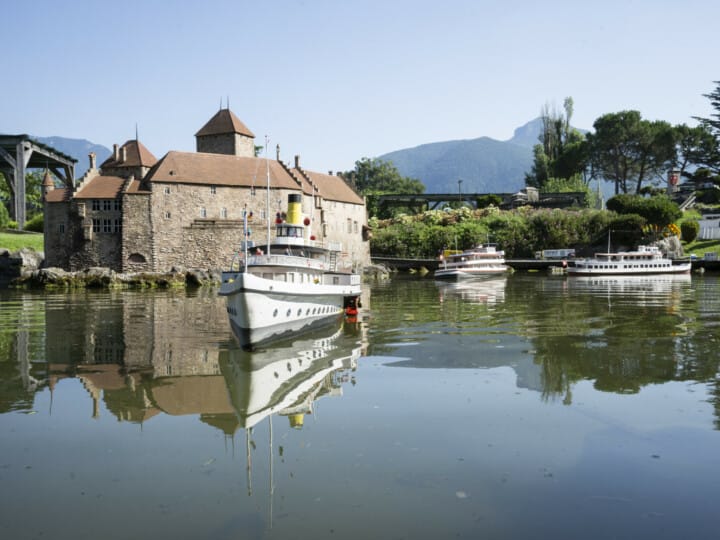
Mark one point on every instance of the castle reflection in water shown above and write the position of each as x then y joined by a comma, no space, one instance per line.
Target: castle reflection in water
143,354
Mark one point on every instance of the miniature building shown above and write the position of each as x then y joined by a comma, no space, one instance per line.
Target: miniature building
137,213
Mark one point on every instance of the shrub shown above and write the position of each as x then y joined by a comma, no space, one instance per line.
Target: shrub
4,218
35,224
489,200
689,230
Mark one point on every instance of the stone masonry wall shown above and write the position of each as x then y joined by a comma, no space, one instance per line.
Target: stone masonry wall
137,235
200,226
58,235
230,144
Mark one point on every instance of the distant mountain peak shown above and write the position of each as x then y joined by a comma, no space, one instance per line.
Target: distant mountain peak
484,164
76,148
527,135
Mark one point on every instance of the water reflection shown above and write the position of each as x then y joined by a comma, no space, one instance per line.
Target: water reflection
489,290
139,355
651,288
620,333
287,379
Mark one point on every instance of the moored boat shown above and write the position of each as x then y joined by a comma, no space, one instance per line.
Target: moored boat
480,261
646,260
290,285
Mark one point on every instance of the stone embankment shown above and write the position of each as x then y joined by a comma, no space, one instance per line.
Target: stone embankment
23,269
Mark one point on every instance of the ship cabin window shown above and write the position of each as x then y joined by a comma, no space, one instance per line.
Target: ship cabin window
290,231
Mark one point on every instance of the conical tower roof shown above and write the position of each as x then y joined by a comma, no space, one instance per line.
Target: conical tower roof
224,122
47,180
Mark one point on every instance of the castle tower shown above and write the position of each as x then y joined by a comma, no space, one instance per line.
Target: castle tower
130,159
47,185
224,133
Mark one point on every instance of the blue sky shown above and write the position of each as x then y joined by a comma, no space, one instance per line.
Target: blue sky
335,81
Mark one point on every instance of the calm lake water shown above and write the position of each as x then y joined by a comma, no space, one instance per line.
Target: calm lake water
530,406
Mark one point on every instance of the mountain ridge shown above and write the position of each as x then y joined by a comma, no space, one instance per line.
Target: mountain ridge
77,149
480,165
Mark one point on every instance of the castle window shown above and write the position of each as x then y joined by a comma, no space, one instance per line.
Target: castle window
167,190
96,225
223,213
117,225
167,215
213,190
107,204
107,226
116,205
355,227
203,213
95,204
61,228
349,225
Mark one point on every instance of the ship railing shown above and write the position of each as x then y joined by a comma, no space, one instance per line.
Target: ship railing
287,260
341,279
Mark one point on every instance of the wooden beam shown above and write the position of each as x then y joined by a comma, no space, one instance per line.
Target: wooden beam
19,199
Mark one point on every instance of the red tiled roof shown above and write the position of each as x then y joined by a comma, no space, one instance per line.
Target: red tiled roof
58,195
222,123
220,170
332,188
136,187
101,187
136,156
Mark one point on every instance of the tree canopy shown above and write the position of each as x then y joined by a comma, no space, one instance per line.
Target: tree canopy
627,150
561,152
710,152
658,211
375,177
33,193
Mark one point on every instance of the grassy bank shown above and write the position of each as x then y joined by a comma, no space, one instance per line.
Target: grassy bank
700,247
14,240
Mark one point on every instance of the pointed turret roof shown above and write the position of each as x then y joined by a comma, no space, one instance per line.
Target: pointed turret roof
47,180
224,122
136,155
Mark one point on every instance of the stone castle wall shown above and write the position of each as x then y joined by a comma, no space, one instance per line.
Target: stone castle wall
59,235
235,145
137,234
201,226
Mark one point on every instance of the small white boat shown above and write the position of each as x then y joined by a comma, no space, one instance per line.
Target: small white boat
480,261
290,285
646,260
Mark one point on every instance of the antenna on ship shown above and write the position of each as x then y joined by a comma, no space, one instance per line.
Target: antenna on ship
267,200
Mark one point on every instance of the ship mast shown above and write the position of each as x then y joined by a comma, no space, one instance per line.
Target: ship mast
267,194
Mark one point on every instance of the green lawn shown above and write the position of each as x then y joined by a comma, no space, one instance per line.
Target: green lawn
700,247
13,240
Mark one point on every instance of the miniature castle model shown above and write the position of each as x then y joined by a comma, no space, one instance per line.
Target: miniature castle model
139,214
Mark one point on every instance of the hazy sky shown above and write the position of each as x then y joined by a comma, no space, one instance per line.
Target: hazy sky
338,80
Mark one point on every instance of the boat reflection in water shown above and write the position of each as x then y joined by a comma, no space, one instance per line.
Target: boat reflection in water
637,287
289,377
488,290
286,380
